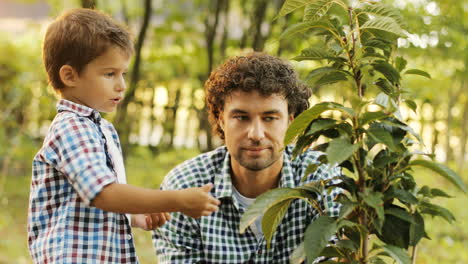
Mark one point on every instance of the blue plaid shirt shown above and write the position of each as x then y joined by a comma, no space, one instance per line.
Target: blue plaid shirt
70,169
216,238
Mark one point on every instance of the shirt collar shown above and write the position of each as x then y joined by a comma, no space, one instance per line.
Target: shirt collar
79,109
223,182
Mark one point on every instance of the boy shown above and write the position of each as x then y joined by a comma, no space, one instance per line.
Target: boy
78,197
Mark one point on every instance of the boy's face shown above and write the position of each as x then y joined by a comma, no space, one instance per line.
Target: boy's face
101,84
254,127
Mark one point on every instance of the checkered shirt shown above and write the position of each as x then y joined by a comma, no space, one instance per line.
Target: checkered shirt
216,238
70,169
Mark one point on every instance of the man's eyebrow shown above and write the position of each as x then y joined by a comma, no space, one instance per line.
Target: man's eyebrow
240,111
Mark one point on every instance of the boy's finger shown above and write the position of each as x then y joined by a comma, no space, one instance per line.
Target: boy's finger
207,187
149,222
168,216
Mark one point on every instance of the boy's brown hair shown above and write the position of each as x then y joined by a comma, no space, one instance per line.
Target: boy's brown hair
255,71
79,36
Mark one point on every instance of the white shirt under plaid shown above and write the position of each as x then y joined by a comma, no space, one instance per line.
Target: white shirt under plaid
70,169
216,238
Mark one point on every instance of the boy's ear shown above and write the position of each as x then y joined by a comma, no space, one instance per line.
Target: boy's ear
68,75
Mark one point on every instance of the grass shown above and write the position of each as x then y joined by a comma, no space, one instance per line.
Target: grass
447,245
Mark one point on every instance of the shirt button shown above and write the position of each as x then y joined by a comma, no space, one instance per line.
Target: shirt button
128,237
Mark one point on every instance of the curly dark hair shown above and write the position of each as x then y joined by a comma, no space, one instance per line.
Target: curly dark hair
255,71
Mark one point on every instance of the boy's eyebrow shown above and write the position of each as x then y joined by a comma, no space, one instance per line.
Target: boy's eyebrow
240,111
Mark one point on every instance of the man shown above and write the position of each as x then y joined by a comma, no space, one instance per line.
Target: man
251,101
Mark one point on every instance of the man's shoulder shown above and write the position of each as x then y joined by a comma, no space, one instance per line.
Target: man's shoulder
196,171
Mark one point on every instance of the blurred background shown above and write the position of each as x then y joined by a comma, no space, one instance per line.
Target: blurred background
163,120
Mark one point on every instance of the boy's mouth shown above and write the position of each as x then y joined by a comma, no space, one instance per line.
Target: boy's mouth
116,100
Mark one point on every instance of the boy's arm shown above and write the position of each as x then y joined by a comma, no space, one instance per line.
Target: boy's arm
125,198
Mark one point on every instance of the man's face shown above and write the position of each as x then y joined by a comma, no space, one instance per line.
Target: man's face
254,128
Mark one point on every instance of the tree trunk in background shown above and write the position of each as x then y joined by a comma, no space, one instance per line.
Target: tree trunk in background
463,139
89,4
211,25
258,18
453,96
435,133
123,128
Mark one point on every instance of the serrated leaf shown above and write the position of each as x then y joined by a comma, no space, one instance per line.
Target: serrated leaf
339,150
272,218
435,210
387,70
385,11
398,254
317,236
368,117
265,201
332,77
304,26
418,72
385,24
291,5
400,213
302,121
319,72
317,10
381,135
314,54
442,170
385,86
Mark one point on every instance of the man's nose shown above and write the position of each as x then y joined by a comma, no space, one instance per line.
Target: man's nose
256,130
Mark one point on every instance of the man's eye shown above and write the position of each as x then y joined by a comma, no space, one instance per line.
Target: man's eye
269,118
241,118
109,74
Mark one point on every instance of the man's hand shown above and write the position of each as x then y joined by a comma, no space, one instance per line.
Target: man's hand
150,221
197,202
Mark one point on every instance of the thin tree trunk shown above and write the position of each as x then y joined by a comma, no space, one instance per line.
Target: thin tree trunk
463,139
89,4
435,133
123,127
453,96
258,18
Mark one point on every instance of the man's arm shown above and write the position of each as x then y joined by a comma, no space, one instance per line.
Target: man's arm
178,241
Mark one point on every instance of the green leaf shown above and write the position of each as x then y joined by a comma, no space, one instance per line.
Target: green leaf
304,26
272,218
381,135
443,171
266,201
400,213
332,77
320,71
374,200
368,117
339,150
417,230
383,100
411,105
321,124
384,11
418,72
317,10
388,71
400,63
302,121
291,5
435,210
298,256
315,54
385,24
398,254
317,236
385,86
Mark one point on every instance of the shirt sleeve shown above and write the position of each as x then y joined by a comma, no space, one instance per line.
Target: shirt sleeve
178,241
75,148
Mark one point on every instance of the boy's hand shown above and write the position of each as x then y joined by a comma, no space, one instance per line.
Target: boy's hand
150,221
197,202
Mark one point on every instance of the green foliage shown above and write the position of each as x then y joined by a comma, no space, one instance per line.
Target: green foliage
376,149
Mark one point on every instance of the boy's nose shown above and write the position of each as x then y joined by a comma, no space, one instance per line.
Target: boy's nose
121,85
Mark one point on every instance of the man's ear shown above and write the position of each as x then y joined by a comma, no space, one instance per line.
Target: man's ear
291,118
68,75
221,122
